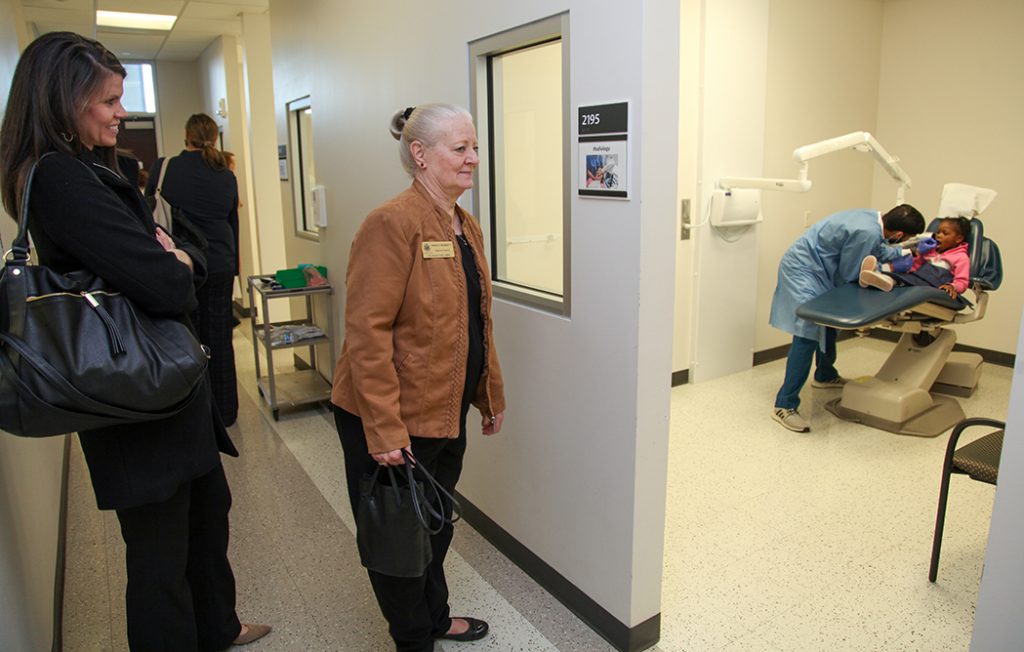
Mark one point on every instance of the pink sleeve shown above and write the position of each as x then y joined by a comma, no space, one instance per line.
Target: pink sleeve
961,265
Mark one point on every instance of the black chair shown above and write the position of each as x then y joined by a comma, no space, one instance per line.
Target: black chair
978,459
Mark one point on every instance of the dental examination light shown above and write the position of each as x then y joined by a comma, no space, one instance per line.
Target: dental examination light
736,201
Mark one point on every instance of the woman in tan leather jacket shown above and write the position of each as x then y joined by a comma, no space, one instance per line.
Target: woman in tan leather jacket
419,349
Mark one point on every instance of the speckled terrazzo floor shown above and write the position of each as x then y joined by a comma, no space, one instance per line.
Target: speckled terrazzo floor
774,540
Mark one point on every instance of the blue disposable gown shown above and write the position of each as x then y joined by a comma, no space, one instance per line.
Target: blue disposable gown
828,255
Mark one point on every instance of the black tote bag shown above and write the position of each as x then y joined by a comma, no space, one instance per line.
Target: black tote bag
393,521
75,354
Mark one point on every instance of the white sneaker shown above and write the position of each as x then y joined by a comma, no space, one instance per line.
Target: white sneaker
869,264
790,419
873,279
835,383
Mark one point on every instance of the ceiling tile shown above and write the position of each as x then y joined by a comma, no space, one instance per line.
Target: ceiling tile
199,23
50,14
163,7
208,26
79,5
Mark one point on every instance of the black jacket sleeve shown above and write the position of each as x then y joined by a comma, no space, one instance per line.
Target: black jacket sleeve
81,219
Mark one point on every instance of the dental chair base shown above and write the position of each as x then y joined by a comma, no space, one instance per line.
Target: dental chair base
896,399
960,375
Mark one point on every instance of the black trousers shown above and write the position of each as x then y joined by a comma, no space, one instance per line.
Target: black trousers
181,590
416,608
214,323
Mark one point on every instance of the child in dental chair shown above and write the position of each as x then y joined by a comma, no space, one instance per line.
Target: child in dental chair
942,261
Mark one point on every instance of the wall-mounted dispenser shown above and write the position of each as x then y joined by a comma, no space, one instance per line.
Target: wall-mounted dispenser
736,207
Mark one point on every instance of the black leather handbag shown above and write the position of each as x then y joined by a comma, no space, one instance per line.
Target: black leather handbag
75,354
394,521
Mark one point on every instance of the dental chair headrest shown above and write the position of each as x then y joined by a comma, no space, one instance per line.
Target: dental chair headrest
986,262
963,200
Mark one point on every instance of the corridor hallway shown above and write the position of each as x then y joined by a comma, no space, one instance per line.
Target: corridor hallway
774,540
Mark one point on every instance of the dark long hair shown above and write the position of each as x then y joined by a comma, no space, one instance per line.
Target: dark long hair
201,132
55,77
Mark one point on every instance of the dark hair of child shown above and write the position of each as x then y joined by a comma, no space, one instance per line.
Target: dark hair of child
962,225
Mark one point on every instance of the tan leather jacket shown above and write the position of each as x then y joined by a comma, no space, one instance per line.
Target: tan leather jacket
403,364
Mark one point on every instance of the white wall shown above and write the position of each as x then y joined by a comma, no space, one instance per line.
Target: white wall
731,140
10,47
31,478
261,129
691,47
222,74
178,97
951,101
31,474
759,80
823,71
566,477
999,618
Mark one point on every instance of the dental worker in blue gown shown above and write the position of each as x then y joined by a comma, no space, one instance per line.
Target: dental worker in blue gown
827,256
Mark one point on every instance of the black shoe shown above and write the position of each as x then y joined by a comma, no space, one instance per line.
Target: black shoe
477,630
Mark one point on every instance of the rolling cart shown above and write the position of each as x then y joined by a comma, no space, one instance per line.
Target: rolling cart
298,387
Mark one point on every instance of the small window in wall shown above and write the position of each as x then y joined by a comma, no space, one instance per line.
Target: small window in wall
303,170
520,94
139,94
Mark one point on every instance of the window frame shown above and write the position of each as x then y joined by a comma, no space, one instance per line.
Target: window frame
481,53
152,87
303,213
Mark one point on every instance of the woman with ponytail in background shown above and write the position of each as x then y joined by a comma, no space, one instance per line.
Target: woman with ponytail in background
199,182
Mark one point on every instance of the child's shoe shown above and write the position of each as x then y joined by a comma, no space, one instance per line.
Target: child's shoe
869,264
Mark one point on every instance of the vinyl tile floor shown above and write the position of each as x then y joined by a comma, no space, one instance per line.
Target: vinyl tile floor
774,540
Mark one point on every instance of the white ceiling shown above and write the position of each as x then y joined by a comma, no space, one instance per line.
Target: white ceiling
199,23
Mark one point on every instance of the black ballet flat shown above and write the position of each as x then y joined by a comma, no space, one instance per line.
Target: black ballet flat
477,630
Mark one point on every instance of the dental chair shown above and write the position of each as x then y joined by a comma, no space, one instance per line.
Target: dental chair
905,395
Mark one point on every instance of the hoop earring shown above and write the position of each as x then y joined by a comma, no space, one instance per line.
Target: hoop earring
67,137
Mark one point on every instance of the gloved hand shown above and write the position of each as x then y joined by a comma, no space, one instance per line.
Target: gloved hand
902,264
926,245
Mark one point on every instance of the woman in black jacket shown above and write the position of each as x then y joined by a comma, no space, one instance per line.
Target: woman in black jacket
164,478
198,182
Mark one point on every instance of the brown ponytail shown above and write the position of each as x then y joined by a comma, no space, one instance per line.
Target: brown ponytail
202,133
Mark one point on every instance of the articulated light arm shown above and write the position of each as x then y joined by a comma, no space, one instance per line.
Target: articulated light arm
861,141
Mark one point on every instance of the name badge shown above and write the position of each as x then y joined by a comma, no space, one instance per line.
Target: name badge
438,249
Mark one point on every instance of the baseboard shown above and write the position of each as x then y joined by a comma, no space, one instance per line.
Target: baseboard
240,311
680,377
993,357
62,536
771,355
619,635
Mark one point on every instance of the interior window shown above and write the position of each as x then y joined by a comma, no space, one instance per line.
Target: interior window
303,169
519,91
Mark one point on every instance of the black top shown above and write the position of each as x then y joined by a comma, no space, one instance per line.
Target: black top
86,216
475,360
209,198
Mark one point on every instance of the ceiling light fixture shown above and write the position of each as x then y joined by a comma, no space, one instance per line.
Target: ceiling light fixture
134,20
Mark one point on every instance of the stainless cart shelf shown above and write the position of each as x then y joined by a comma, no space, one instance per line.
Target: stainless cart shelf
295,388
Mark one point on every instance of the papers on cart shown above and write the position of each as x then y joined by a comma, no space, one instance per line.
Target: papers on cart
293,333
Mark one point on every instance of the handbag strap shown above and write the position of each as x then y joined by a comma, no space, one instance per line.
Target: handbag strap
160,180
419,499
21,248
410,466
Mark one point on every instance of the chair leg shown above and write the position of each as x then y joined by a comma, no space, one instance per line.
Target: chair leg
947,470
940,519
